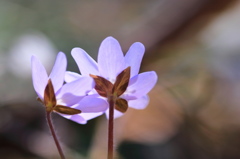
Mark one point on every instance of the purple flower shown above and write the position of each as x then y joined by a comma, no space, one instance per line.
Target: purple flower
69,99
111,62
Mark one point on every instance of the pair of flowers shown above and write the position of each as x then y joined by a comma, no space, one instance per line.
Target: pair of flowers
84,97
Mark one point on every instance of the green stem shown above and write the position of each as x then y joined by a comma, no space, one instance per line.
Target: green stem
110,128
49,120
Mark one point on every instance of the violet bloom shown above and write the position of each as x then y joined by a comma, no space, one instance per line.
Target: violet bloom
111,62
68,98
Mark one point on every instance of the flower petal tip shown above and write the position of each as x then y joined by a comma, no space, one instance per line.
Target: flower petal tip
76,50
153,76
139,45
62,56
110,39
34,59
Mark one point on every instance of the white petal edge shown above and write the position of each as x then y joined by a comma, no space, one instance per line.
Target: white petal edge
89,116
140,103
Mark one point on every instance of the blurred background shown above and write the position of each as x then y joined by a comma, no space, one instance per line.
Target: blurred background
193,45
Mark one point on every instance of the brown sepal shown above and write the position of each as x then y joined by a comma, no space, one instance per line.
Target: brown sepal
122,81
39,99
102,86
121,105
66,110
49,96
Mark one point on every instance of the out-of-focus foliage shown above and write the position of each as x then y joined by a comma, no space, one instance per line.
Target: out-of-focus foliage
193,45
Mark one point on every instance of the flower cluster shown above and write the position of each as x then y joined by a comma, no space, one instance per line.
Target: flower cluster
86,96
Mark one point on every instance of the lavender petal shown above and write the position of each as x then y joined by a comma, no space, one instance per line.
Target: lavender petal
85,63
134,57
58,71
39,76
110,59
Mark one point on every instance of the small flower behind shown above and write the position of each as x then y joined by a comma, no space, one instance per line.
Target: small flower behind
69,100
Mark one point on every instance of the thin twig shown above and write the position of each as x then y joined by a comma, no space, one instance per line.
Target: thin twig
49,120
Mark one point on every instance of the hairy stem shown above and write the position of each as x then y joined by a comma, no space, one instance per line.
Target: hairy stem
110,128
49,120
